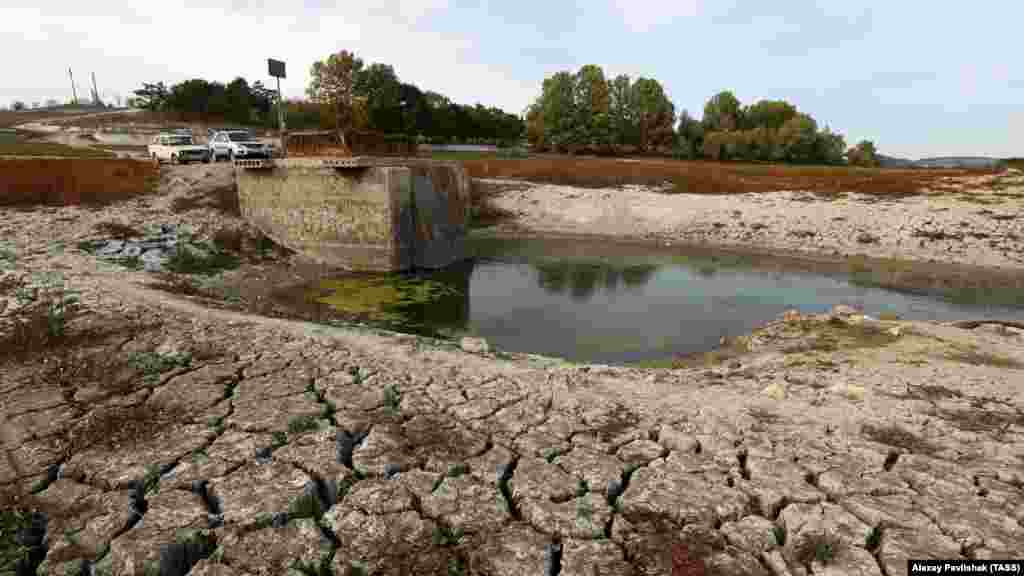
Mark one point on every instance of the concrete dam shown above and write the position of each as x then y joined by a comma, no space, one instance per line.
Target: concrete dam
373,214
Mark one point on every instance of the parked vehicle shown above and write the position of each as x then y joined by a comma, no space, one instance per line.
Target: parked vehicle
232,144
177,147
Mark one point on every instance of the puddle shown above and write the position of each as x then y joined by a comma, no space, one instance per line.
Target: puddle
594,301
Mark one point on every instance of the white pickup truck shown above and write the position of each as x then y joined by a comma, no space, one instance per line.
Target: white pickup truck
177,148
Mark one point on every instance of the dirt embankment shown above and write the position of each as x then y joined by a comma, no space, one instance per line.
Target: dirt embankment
159,434
976,220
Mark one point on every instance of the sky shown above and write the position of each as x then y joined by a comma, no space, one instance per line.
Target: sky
917,78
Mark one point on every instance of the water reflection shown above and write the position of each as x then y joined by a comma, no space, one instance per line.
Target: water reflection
582,279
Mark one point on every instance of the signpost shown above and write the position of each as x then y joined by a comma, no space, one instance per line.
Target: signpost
276,70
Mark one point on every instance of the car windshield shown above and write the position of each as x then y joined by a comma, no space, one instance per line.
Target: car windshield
179,140
239,137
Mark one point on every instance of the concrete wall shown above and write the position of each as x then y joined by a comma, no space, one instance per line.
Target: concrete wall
384,218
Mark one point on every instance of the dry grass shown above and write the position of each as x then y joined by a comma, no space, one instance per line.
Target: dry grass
52,149
73,181
700,177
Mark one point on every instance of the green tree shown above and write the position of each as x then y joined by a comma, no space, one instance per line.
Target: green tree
655,114
623,113
593,107
558,106
771,114
332,84
831,146
239,108
722,112
535,127
689,136
151,96
798,137
379,84
863,154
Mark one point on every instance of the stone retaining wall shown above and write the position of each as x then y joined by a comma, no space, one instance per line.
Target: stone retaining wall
375,218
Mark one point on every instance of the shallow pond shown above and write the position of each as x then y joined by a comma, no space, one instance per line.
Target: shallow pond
599,302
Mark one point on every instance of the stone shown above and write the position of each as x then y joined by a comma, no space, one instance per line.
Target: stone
594,468
641,452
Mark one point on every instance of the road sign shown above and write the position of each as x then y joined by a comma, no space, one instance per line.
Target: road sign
276,68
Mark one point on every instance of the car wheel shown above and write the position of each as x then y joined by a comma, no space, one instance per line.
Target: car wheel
206,159
231,155
213,155
155,159
174,158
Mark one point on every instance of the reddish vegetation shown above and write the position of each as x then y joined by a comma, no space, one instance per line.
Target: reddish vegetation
683,565
73,181
711,177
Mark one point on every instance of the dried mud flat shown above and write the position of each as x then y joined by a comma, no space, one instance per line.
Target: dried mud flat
163,437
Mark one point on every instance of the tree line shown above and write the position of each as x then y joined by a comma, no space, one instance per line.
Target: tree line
584,112
343,88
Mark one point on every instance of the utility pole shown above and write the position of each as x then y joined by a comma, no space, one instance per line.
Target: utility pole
95,92
74,93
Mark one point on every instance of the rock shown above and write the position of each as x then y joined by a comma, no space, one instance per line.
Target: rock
111,247
131,250
641,452
655,490
474,345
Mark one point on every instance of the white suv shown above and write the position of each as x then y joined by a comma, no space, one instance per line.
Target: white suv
232,144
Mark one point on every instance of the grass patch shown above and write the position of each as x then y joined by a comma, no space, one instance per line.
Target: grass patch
205,261
779,533
447,536
301,424
392,398
822,547
152,364
732,349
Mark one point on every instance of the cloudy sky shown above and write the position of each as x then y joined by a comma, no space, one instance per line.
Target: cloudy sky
919,78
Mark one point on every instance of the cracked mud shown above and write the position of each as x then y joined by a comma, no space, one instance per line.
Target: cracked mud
286,448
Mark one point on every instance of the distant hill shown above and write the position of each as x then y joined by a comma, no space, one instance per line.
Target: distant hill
941,162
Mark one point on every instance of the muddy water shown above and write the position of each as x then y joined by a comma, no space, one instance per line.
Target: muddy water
607,303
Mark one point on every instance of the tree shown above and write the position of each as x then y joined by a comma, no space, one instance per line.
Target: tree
655,114
17,105
623,114
52,103
332,84
831,147
722,112
379,84
237,100
798,138
689,136
771,114
593,107
535,126
151,96
863,154
558,106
